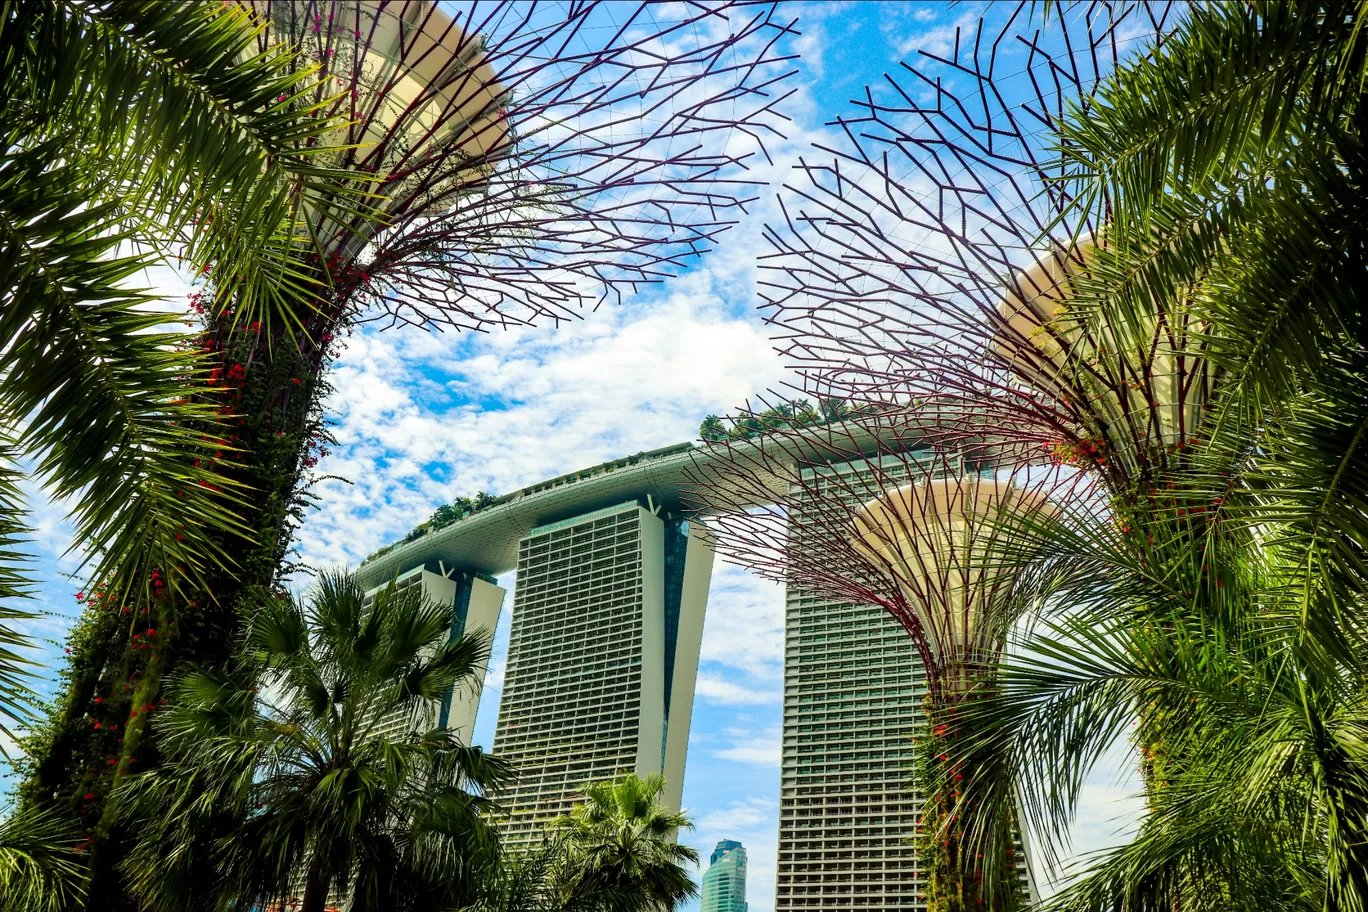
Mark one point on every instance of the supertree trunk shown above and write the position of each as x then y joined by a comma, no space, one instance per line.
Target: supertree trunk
516,162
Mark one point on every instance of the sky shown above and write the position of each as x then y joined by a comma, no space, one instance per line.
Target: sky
421,418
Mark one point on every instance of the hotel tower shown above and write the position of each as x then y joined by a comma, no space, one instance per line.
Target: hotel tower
853,688
607,622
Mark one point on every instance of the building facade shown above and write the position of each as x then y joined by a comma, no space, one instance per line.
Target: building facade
724,883
602,658
848,807
476,601
853,689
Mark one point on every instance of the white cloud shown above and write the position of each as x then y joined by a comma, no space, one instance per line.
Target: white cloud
939,40
421,419
745,815
754,748
744,627
716,690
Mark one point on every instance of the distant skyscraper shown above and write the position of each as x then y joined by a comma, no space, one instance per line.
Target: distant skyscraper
724,883
602,658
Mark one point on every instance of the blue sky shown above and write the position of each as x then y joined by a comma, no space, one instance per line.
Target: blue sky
421,418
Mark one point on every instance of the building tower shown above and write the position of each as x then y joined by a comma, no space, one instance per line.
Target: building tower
848,808
724,883
602,657
475,600
853,688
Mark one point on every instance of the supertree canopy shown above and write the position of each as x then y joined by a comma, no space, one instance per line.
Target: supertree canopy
514,161
938,253
871,508
934,272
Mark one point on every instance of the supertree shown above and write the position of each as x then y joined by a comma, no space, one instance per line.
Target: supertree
869,508
486,165
935,271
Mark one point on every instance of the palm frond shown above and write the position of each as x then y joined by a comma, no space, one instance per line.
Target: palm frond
17,668
40,866
97,383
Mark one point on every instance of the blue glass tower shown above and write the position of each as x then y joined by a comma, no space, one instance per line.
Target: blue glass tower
724,884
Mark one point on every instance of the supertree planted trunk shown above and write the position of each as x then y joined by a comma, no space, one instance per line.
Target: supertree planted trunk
496,164
867,508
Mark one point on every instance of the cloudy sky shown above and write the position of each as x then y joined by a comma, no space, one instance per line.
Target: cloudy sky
422,418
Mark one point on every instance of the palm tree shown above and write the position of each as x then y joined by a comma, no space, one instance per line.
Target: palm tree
618,849
313,770
134,132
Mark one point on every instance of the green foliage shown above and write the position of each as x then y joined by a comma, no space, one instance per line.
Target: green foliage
944,842
443,516
40,870
312,766
16,697
799,413
130,129
450,513
1217,599
131,125
620,848
615,852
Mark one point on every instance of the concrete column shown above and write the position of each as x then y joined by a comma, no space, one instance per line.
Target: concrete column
693,604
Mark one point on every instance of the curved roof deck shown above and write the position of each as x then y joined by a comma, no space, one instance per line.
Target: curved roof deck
487,541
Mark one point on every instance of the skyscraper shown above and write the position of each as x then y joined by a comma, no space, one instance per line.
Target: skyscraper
724,883
475,601
602,658
853,687
852,703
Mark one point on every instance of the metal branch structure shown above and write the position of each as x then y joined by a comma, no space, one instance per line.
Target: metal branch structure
528,159
869,507
939,254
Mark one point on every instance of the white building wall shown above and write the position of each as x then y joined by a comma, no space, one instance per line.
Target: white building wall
693,605
482,614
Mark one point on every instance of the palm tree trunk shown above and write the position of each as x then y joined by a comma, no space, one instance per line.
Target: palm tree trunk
316,883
